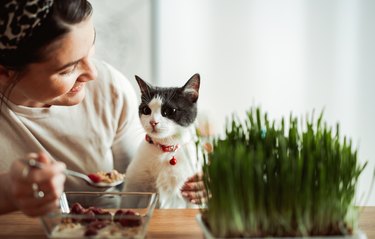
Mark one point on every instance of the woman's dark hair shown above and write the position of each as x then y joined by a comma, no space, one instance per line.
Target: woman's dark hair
62,14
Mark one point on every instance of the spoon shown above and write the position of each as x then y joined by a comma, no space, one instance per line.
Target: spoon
35,164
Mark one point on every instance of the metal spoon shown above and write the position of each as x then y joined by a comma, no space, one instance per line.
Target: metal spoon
35,164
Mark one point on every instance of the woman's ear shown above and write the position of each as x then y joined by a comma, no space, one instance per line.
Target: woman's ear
6,75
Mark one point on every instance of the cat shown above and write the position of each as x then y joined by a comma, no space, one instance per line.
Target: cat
167,156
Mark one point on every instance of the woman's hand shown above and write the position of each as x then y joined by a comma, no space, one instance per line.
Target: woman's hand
193,189
36,191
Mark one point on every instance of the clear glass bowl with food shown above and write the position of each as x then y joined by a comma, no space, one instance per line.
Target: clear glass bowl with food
101,215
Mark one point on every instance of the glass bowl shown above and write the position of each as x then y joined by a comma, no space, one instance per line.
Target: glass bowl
101,215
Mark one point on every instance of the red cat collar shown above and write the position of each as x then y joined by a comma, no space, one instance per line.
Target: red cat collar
165,148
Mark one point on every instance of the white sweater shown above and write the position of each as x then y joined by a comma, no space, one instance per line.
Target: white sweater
99,134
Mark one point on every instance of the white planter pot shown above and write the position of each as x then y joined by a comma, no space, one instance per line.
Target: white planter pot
358,234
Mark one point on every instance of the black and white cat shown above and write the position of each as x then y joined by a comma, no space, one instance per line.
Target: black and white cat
167,156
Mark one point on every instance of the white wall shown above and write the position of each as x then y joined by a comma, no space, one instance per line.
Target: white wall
123,37
285,56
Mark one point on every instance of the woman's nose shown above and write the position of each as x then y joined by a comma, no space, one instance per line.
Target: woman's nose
89,71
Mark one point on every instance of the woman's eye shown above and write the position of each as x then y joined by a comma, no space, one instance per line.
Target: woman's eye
168,111
69,71
146,110
64,73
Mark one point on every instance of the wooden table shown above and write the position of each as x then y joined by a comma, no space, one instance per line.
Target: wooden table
165,223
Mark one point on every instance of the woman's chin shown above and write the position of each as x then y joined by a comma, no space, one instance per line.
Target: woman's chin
72,98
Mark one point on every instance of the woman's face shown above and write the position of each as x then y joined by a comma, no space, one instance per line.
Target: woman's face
61,79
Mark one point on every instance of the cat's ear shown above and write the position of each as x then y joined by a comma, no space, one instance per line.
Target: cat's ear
143,86
191,88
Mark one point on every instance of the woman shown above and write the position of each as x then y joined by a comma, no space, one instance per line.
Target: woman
59,105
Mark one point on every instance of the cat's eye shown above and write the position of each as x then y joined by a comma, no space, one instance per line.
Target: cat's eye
146,110
168,111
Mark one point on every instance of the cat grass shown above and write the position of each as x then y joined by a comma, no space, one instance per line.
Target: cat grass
268,178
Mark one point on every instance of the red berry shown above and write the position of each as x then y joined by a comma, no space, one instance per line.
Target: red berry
94,177
95,210
77,209
89,217
90,232
130,222
130,212
118,214
128,218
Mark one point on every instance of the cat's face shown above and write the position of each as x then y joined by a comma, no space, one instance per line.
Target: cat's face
164,112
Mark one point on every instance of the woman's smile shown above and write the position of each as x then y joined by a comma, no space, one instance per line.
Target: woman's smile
77,87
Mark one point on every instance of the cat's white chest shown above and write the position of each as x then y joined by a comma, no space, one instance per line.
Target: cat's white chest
168,175
174,170
152,170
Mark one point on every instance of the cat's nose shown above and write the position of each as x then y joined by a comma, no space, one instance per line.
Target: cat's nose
153,123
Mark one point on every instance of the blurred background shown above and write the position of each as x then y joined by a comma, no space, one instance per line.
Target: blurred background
285,56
